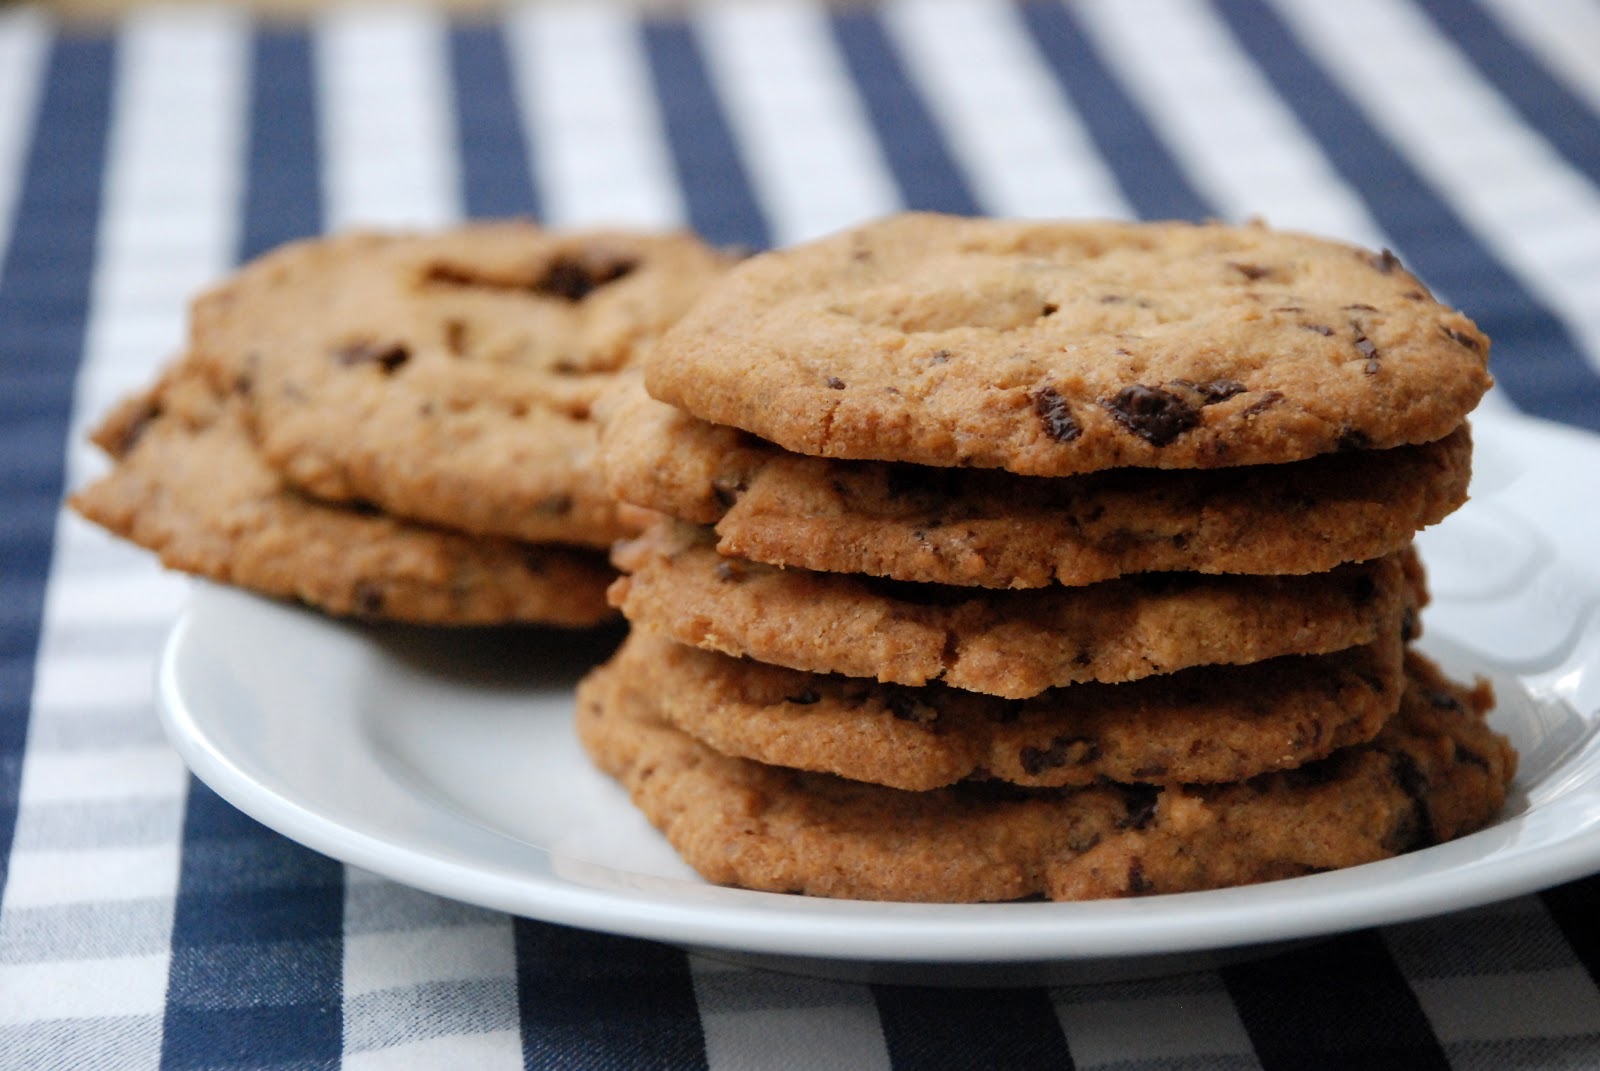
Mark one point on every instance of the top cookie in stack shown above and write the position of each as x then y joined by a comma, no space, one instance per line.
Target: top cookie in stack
397,425
1202,453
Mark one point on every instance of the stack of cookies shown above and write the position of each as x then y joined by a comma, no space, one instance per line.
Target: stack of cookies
1004,559
398,426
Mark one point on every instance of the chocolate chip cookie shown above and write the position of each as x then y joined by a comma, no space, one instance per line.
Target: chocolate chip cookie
1014,644
1059,348
1434,773
447,377
1206,724
995,529
188,484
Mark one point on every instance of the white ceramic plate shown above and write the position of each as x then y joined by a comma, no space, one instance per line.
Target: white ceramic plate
446,761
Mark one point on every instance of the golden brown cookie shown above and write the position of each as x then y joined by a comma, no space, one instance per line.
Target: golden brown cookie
188,484
994,529
1206,724
1436,772
1006,643
447,377
1058,348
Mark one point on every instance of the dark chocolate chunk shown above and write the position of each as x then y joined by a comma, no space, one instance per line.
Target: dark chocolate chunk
1212,391
1365,347
1386,262
939,356
1155,415
1267,400
1138,884
1062,751
388,356
1353,439
1460,338
369,598
835,383
906,708
1252,272
1141,802
574,278
1321,329
729,572
1055,415
805,698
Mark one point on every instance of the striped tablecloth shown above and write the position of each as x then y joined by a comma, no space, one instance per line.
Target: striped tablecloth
144,922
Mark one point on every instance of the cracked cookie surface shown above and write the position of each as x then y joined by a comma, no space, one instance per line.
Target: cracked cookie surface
1434,773
448,377
1013,644
188,484
1058,348
994,529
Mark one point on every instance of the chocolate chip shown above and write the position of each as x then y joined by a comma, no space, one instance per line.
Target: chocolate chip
1055,415
1138,884
554,506
727,491
1050,309
1155,415
1062,751
939,356
1418,832
1461,338
1385,262
1213,391
388,356
805,698
1352,439
1141,801
1360,308
369,598
361,507
835,383
729,572
1321,329
1267,400
1365,347
574,278
905,708
1471,758
1409,629
1445,701
1252,272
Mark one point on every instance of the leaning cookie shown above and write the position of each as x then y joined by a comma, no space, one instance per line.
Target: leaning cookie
1207,724
188,484
447,377
994,529
1435,773
1058,348
1014,644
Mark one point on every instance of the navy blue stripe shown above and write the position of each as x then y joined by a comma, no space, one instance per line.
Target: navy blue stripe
1333,1005
1572,906
912,142
44,303
594,1000
722,206
960,1029
1546,104
257,934
1150,177
1535,358
283,196
257,954
496,168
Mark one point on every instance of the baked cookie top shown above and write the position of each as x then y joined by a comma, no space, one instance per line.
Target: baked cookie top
1435,772
1056,348
188,484
448,377
1206,724
1013,644
995,529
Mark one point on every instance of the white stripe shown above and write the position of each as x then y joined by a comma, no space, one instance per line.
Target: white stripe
388,132
1240,145
500,1048
122,773
1533,1004
142,597
1024,150
1564,34
80,683
24,35
757,1021
50,878
594,129
806,140
1134,1030
375,961
1539,215
86,989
